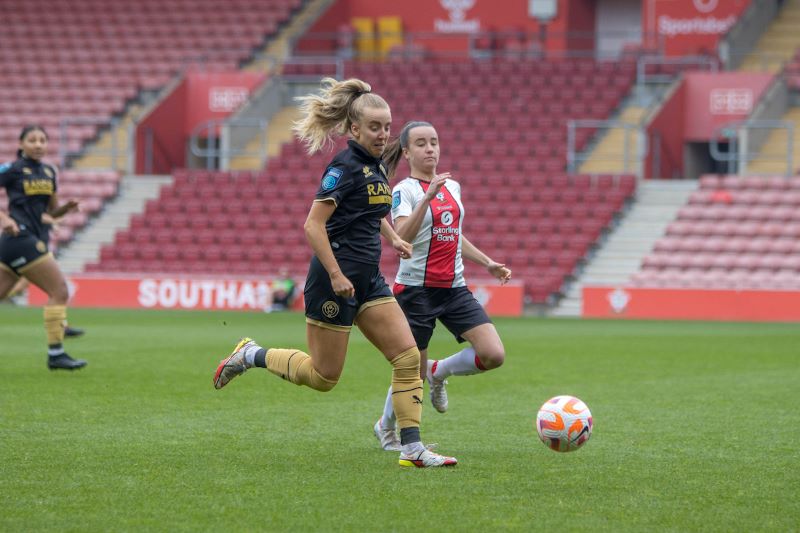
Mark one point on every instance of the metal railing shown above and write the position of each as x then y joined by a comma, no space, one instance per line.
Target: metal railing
218,150
642,64
633,153
738,137
472,43
66,154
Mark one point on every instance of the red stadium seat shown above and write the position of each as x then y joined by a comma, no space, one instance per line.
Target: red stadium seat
740,245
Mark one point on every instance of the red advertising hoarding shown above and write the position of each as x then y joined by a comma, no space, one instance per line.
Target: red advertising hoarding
691,304
689,27
224,294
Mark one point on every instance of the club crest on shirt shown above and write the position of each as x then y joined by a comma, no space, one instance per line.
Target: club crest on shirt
440,196
331,178
367,171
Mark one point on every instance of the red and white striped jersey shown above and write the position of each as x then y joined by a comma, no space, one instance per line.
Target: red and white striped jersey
436,258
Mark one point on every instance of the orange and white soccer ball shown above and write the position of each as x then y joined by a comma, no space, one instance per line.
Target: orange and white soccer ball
564,423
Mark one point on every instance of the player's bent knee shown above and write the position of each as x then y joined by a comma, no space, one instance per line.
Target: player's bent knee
406,363
492,359
60,294
320,383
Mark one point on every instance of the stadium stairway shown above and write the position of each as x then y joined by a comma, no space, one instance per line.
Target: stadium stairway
771,159
280,47
270,60
608,155
778,43
279,131
620,255
98,154
134,191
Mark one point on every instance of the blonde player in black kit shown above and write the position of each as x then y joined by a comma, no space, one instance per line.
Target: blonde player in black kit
430,285
24,235
344,283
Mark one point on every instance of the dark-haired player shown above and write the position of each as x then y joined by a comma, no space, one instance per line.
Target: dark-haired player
31,186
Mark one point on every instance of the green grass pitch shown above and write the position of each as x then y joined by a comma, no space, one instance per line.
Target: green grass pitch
695,430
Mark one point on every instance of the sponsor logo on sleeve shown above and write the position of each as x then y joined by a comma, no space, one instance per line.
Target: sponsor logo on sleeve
4,166
331,178
396,200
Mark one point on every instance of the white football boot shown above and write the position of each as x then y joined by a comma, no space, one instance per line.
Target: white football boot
234,365
387,437
426,459
438,390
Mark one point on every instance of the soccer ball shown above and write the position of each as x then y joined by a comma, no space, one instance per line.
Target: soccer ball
564,423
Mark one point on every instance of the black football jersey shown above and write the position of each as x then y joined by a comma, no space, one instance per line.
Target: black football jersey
358,183
29,185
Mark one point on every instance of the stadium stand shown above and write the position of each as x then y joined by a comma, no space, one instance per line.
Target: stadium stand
734,233
73,70
522,206
91,59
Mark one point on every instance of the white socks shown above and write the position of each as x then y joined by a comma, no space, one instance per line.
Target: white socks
413,447
250,355
388,419
463,363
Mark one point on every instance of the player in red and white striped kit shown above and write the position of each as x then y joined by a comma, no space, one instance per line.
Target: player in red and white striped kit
430,285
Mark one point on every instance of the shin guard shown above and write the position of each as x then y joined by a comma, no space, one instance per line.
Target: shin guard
54,317
407,388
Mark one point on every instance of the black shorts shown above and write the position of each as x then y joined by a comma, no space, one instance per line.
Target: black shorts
21,252
327,310
455,307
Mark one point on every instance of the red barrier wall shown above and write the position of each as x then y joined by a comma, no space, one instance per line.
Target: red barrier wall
687,27
716,99
212,293
665,134
696,110
163,130
691,304
199,97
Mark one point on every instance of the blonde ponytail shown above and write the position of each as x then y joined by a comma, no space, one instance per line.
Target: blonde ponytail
338,105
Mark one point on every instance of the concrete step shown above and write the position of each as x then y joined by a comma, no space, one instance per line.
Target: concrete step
621,253
134,191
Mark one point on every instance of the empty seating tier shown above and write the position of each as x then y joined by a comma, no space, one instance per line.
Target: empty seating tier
735,232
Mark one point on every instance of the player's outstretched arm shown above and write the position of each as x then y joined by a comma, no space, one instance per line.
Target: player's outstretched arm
402,247
472,253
